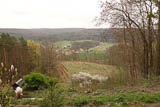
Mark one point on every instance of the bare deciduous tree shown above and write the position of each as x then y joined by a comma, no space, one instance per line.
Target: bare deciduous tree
138,19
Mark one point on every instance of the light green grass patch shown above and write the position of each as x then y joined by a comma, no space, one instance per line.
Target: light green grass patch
61,44
92,68
122,99
74,67
102,47
85,41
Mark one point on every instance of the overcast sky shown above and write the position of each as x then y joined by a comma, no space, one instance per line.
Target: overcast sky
48,13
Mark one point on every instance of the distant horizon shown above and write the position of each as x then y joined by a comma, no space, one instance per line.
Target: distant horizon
58,28
31,14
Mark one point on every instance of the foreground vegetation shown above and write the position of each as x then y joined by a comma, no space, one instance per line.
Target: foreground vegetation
110,98
143,93
116,100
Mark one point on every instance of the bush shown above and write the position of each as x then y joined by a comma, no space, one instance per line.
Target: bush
86,79
37,80
54,97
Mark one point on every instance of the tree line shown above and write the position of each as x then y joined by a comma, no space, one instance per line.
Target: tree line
139,47
19,57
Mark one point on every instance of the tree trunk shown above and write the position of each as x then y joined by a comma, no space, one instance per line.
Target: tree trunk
158,42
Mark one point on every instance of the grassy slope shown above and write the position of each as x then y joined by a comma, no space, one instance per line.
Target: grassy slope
92,68
74,67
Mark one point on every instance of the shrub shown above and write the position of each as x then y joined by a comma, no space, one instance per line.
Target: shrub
7,76
37,80
54,97
86,79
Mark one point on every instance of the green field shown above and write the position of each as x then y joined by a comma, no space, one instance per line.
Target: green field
61,44
102,47
74,67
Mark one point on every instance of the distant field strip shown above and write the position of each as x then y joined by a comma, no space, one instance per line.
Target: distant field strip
62,43
103,45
